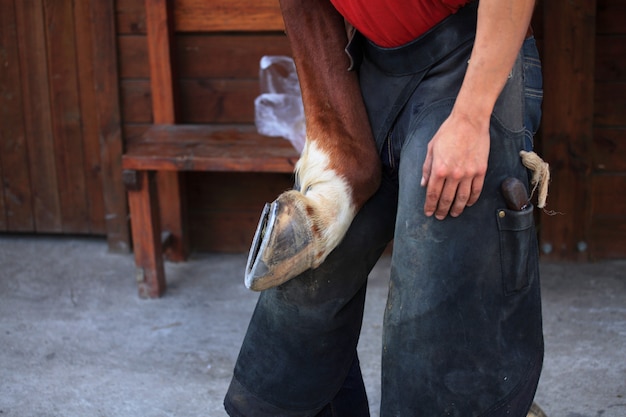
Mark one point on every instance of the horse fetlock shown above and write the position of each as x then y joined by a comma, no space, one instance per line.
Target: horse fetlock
330,212
328,197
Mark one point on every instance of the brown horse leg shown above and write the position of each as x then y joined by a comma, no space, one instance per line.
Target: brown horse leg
339,168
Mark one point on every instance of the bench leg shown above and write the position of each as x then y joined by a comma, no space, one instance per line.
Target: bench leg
146,232
173,205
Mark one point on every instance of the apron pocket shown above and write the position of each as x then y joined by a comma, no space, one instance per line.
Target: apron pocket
516,243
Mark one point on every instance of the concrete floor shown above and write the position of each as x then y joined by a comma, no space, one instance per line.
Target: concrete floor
76,341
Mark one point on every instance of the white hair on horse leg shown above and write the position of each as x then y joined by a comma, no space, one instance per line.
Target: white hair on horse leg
328,195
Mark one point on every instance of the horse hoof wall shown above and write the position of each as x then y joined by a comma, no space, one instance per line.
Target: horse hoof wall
282,247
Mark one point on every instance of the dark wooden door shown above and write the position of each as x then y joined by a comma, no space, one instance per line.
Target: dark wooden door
584,129
59,119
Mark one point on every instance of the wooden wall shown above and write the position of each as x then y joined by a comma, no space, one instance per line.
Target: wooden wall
583,128
607,226
60,139
74,83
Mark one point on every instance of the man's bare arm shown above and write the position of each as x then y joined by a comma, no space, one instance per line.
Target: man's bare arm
456,162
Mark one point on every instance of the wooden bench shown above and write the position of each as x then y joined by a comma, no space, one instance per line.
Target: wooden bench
156,193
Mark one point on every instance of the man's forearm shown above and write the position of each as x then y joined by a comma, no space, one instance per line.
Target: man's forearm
456,162
502,25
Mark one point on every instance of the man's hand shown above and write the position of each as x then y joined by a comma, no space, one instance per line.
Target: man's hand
455,166
456,162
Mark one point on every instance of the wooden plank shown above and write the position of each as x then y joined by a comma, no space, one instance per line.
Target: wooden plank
235,191
569,57
160,24
130,17
201,101
607,239
611,59
219,55
206,100
237,55
229,205
174,218
218,101
209,148
133,132
146,234
7,12
89,117
608,196
136,105
37,113
611,15
608,236
66,122
610,104
227,55
3,219
223,15
109,123
176,157
16,211
231,231
609,150
228,15
133,57
200,133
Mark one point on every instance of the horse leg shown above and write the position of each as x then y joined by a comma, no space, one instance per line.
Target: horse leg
339,169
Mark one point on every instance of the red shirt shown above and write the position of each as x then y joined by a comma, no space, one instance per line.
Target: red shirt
390,23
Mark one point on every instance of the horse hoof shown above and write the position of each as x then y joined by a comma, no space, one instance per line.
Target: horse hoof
282,247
